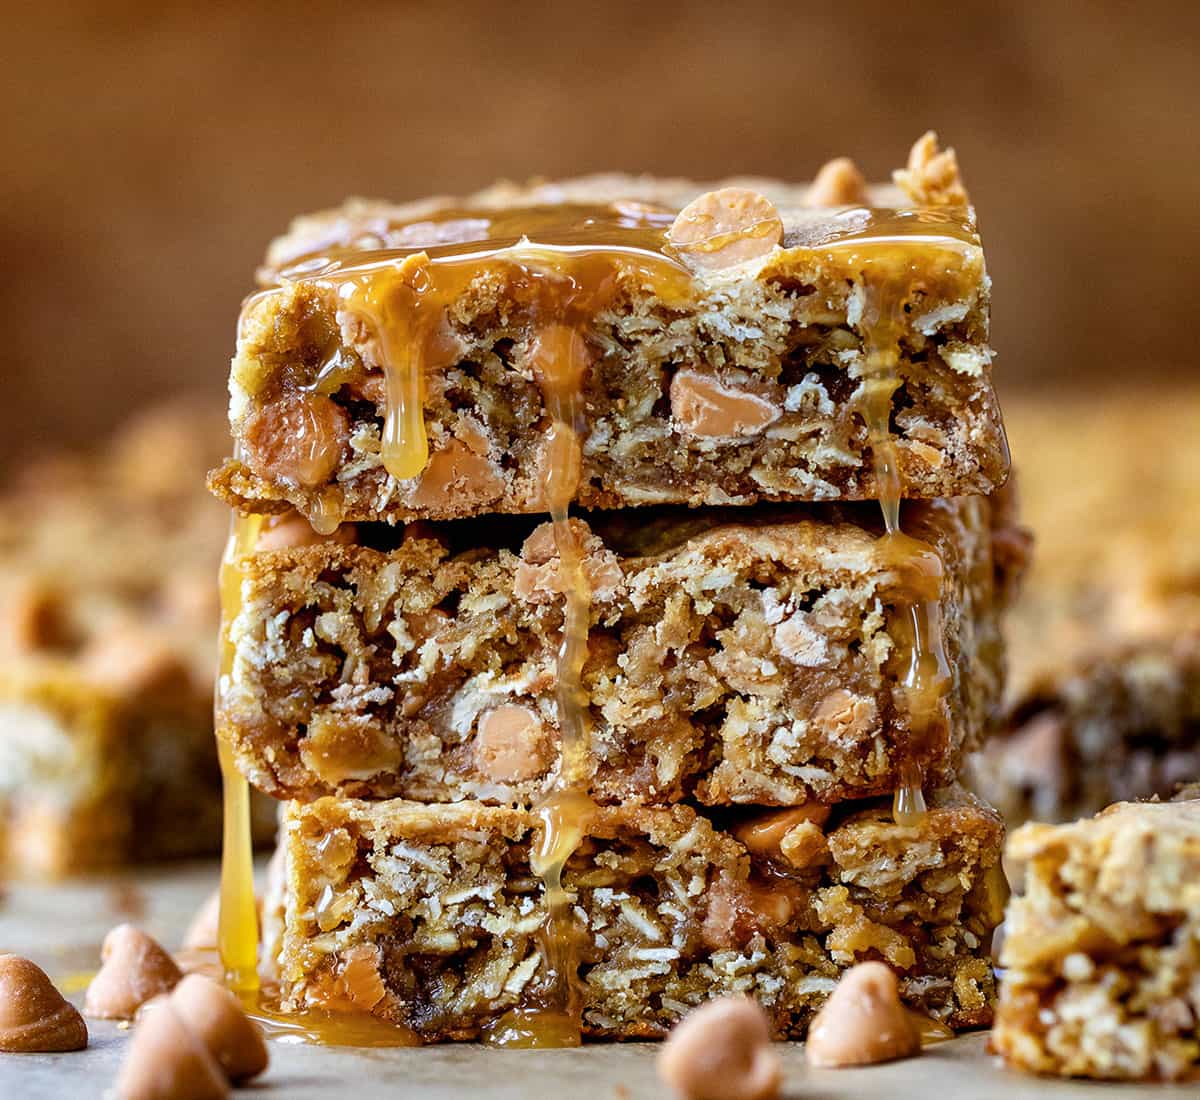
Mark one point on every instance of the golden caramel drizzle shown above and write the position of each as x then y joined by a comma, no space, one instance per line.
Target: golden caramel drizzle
391,303
926,674
560,359
930,1030
237,929
325,1027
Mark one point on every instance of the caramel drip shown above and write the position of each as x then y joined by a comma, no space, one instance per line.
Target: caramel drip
926,674
345,1025
391,302
237,929
323,1026
327,514
930,1030
560,358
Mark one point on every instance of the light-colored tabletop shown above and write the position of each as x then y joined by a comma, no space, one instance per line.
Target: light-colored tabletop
61,927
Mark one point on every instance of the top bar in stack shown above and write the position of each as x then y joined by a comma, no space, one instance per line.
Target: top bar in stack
722,355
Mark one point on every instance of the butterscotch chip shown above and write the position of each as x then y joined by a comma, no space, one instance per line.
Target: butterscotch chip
838,183
299,437
727,227
204,926
134,969
34,1015
462,470
863,1022
168,1061
539,575
290,530
510,744
215,1015
722,1051
338,747
702,406
931,176
763,834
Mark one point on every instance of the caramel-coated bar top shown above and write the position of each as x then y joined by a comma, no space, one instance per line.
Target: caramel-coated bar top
402,362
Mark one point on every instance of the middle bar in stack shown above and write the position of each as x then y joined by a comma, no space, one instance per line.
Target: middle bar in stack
421,383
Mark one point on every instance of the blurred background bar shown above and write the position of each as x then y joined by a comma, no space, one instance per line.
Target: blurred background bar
151,150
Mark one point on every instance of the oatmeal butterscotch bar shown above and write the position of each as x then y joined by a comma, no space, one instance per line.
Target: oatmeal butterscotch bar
734,656
712,370
1104,641
1123,724
1102,951
93,775
108,615
429,916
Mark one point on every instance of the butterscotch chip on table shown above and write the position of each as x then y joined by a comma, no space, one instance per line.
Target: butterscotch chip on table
734,657
724,347
428,915
1101,950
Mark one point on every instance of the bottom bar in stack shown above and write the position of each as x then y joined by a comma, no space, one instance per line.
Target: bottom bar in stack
429,915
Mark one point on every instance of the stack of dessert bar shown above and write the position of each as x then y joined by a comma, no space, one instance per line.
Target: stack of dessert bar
107,613
776,679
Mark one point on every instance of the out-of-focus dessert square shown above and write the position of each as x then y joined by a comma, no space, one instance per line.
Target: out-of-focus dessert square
108,617
1104,641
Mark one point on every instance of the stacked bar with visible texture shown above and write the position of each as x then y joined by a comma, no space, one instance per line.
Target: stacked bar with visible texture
429,915
733,658
764,663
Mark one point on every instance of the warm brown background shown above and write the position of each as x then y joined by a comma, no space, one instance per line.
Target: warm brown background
150,150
